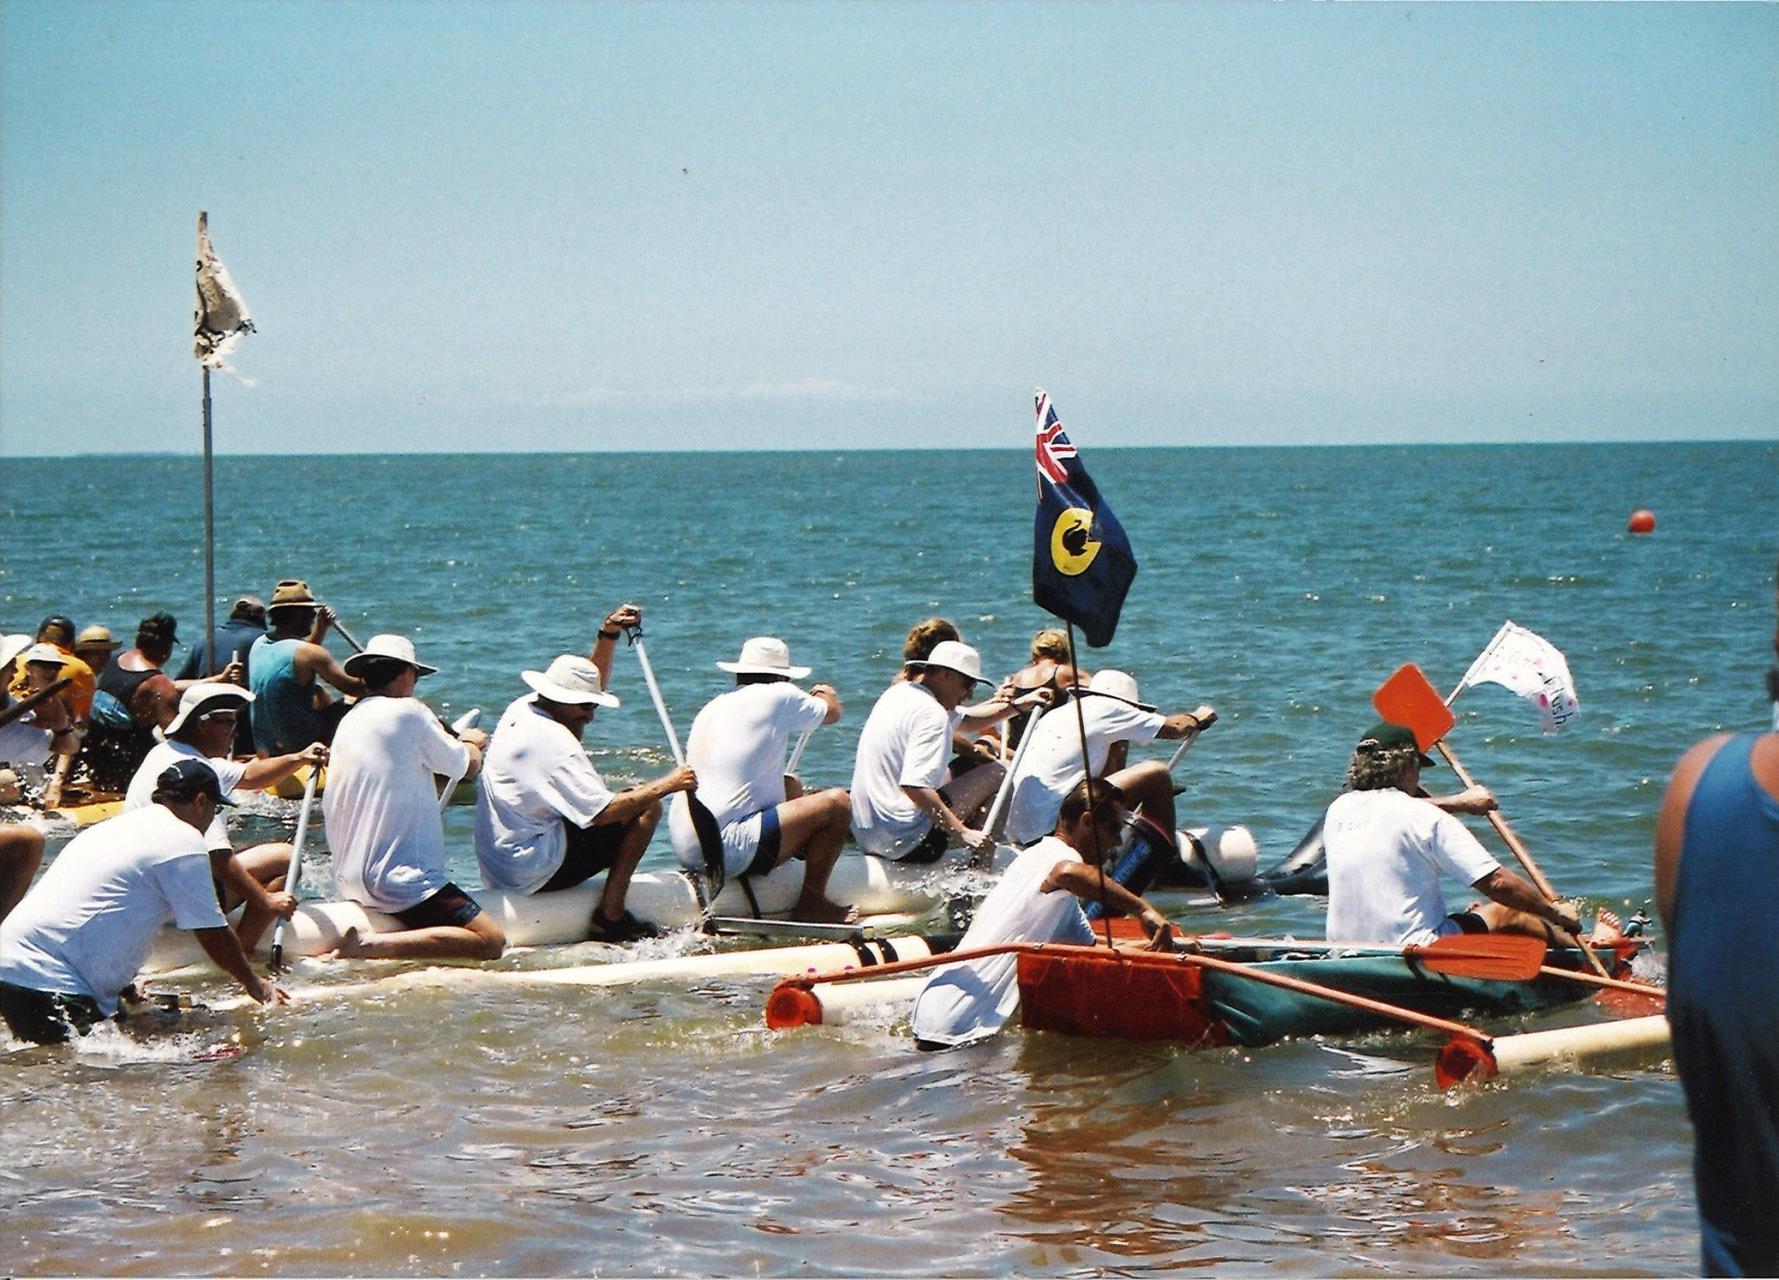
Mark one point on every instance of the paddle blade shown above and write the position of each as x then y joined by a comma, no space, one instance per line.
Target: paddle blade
1407,699
1497,957
710,842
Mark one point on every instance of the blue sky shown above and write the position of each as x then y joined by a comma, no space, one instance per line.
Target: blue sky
574,226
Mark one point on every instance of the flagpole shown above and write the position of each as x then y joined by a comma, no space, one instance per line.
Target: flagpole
209,537
1099,854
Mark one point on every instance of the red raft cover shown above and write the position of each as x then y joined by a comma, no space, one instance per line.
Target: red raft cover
1130,996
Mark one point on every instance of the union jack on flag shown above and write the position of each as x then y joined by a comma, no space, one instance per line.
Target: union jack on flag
1054,449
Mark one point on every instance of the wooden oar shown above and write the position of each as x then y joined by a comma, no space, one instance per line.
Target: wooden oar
704,822
347,635
293,872
1496,957
1606,984
25,705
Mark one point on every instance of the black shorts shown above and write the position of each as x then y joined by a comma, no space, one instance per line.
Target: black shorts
931,848
591,850
47,1017
1468,922
449,906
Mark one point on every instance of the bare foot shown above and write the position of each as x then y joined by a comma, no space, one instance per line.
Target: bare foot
815,909
349,947
1608,928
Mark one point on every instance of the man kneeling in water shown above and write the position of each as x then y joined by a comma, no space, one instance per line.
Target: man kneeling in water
1038,899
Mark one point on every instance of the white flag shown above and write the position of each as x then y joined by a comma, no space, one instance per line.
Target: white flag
1532,667
221,316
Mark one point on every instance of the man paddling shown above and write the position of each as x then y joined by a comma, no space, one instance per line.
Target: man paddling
545,820
1037,899
134,698
1717,887
382,812
902,806
739,744
202,730
1388,849
284,666
1113,718
70,952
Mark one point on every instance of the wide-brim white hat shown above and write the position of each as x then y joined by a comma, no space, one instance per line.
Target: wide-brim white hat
765,656
400,648
571,681
43,652
954,655
13,645
196,696
1108,683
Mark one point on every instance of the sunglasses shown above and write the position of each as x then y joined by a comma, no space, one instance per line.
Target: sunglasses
219,715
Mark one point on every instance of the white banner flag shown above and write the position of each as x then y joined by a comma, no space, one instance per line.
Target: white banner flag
1532,667
221,316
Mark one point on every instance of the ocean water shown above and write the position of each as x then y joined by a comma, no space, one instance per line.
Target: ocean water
662,1129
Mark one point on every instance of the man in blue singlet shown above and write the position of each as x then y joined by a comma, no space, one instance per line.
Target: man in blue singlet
291,710
1717,885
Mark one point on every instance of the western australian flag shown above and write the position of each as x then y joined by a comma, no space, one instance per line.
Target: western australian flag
1081,561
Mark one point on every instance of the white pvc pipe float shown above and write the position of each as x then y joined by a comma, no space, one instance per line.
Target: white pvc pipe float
1466,1060
1233,852
831,1004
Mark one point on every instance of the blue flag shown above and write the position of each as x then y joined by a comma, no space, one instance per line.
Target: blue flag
1081,561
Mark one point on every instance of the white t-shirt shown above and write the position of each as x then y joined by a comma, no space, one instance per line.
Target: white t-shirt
905,742
1051,766
228,775
968,1001
22,742
381,805
535,777
86,927
1386,852
738,746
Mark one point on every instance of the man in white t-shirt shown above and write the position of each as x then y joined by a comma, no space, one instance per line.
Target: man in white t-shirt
70,952
545,820
739,745
1037,899
382,811
902,806
1114,719
1388,850
204,729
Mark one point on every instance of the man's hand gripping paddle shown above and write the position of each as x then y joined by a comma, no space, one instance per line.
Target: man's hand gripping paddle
704,822
1407,698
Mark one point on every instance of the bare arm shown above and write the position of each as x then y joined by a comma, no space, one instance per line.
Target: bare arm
827,694
1003,703
930,802
227,869
1182,723
632,801
223,947
269,771
1090,884
1474,801
1670,822
314,662
1513,891
616,622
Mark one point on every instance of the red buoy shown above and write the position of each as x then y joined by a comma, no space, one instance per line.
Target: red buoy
1642,521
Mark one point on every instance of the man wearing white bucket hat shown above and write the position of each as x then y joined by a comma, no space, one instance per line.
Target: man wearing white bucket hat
382,812
203,729
545,820
902,806
739,745
1114,718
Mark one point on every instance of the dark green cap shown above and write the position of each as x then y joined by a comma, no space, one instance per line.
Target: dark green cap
1384,736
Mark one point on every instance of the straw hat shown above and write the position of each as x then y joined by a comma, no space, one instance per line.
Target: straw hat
292,593
399,648
765,656
1117,685
571,681
198,696
954,655
95,637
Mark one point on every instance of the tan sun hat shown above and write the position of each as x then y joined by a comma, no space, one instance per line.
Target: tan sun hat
95,637
954,655
765,656
1117,684
571,681
400,648
292,593
198,696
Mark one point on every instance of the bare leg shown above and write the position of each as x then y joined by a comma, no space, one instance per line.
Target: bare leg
1502,919
633,844
1148,788
21,853
480,939
968,795
814,828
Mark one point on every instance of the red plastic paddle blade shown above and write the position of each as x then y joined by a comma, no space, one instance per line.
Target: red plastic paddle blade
1498,957
1463,1059
1407,699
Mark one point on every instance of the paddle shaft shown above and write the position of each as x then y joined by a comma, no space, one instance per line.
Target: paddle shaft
347,636
25,706
1502,957
294,871
797,751
710,838
1608,984
1025,740
648,677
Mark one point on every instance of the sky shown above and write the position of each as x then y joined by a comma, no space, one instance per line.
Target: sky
573,226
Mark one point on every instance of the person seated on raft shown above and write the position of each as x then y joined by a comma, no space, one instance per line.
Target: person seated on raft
1037,899
381,808
545,820
739,744
902,806
70,952
1387,849
1048,668
47,730
1114,719
57,632
203,729
229,642
290,707
134,697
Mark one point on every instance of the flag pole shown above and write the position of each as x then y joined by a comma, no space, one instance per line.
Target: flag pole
209,537
1099,854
